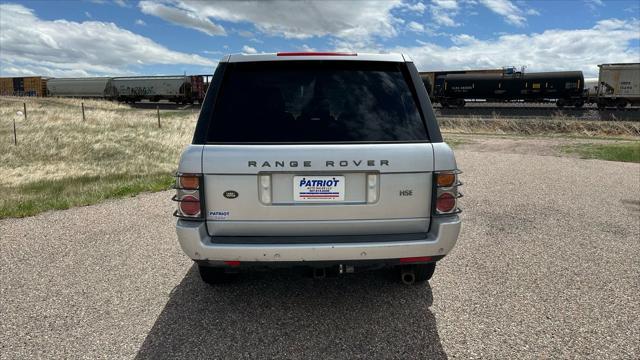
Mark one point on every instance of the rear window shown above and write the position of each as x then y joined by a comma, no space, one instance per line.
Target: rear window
316,101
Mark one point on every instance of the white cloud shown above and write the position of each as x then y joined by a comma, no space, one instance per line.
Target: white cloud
416,27
308,48
140,22
612,24
88,14
446,4
418,7
181,17
463,39
249,50
357,20
122,3
443,12
244,33
68,48
609,41
511,13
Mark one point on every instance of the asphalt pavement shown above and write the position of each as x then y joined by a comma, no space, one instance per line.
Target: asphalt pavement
546,267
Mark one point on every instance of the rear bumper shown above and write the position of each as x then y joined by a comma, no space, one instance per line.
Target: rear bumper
198,245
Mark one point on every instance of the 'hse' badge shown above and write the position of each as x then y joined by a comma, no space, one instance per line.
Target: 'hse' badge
230,194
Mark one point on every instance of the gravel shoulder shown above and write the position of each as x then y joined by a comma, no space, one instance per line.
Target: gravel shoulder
546,267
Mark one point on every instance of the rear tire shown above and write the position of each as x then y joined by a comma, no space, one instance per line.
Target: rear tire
213,275
424,272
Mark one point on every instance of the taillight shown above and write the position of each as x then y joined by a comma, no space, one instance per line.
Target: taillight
445,179
446,192
188,193
189,182
190,205
445,202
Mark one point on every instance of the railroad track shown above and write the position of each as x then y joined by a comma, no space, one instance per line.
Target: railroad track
537,112
535,108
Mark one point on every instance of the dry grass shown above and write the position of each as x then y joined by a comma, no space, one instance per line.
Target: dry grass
62,161
115,152
546,127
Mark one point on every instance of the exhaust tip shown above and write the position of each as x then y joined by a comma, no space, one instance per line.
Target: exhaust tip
408,277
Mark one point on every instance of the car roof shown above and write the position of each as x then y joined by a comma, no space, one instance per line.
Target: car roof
302,56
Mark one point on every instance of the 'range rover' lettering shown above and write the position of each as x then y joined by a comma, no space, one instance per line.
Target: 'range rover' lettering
328,163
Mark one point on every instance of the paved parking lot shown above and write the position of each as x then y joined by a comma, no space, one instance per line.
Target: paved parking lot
546,267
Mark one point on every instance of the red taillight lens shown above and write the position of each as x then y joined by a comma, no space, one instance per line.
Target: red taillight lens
190,205
445,202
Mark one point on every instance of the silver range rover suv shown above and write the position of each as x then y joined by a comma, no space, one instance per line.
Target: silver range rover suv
332,161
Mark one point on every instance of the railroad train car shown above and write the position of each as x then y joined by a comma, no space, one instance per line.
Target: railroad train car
565,88
198,88
152,88
79,87
23,86
429,77
618,85
179,89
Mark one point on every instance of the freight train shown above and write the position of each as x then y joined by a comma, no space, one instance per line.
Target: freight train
178,89
618,86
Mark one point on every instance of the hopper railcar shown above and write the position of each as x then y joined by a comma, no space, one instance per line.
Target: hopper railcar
618,86
78,87
177,89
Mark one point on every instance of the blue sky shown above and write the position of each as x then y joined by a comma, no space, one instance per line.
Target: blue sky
118,37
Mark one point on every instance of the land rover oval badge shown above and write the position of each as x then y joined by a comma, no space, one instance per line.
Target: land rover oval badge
230,194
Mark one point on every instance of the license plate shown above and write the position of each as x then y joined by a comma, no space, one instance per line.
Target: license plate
318,188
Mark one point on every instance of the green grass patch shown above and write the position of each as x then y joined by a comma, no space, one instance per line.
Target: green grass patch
626,152
62,161
35,197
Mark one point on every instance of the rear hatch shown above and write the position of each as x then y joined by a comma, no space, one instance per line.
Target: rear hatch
309,148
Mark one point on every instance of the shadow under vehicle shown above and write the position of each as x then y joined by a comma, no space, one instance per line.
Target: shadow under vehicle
284,314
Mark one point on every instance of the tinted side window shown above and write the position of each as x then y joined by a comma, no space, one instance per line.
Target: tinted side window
316,101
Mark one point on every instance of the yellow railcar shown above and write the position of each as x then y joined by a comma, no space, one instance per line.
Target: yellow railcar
23,86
